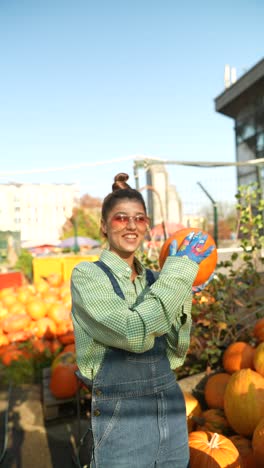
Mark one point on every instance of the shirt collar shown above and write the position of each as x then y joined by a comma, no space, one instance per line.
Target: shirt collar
119,266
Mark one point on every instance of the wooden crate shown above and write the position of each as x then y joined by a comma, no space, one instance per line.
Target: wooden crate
57,408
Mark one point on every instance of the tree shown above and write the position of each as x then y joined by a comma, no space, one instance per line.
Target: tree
86,215
227,219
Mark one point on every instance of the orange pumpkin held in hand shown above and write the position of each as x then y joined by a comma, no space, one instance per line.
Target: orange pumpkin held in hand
206,267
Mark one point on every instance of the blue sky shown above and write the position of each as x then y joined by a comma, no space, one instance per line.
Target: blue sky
100,81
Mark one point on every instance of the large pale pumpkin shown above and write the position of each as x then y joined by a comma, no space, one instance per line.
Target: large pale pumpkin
244,401
258,359
193,409
238,355
258,444
212,450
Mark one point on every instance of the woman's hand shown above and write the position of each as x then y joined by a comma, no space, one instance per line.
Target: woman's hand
191,247
200,287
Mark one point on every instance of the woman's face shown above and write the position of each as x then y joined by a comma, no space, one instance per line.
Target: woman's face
125,227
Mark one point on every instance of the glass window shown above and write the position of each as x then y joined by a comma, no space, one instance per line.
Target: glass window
260,142
260,121
245,129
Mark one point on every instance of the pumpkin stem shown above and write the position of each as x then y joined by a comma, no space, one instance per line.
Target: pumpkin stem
214,441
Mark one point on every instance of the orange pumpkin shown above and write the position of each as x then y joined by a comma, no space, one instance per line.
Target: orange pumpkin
69,347
258,359
14,355
3,339
212,450
258,330
67,338
15,322
64,358
244,401
54,345
206,267
193,409
6,292
214,420
17,308
258,443
43,328
238,355
3,311
42,286
7,347
244,446
214,389
54,279
50,297
23,294
63,381
8,300
39,346
58,313
36,308
65,289
20,335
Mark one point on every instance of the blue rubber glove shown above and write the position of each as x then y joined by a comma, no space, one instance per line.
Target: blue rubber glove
191,247
200,287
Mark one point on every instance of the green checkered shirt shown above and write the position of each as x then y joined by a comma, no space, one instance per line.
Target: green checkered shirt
101,318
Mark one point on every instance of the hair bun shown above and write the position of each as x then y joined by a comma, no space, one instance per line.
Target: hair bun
120,181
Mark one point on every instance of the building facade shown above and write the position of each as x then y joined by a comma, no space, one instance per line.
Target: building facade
244,102
36,211
164,203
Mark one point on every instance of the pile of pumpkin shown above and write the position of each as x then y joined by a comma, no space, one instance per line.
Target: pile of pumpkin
226,420
35,319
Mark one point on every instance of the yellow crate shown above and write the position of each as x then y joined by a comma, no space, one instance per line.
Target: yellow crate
70,262
45,266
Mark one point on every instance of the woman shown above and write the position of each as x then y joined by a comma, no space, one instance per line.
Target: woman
130,335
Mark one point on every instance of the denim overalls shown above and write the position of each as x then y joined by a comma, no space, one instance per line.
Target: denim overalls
138,411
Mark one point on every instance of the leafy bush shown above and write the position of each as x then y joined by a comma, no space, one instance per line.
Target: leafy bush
227,309
25,264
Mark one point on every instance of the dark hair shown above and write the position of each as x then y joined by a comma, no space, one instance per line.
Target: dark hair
120,191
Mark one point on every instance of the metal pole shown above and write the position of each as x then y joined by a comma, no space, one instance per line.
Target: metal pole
215,213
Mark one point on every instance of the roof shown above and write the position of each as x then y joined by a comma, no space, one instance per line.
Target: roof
243,92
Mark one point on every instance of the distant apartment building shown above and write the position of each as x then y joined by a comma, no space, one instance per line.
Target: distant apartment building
174,213
37,211
243,100
164,203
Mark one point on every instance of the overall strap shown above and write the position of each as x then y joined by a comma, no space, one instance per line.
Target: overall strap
110,275
149,275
